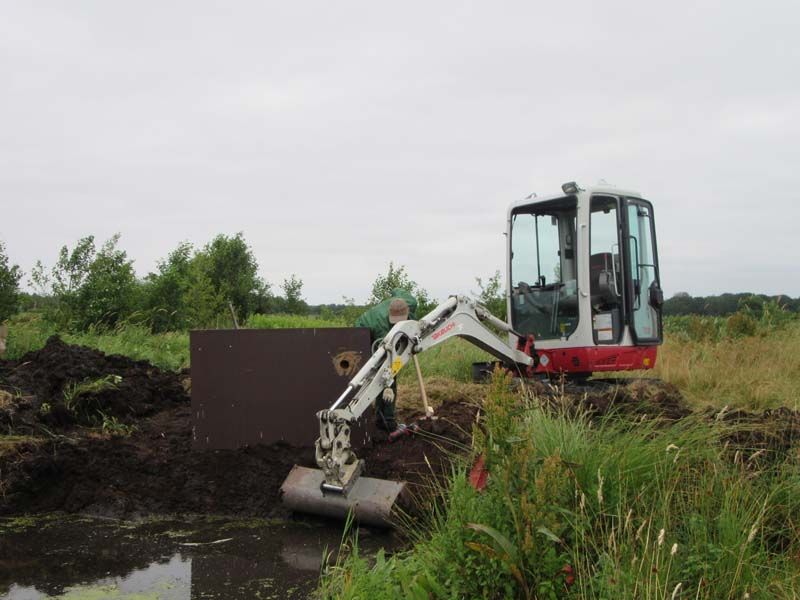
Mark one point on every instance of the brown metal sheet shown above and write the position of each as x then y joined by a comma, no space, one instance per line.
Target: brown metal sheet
261,386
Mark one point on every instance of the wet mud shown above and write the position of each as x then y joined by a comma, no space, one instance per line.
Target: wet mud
62,459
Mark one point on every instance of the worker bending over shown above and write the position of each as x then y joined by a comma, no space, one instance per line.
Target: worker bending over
379,320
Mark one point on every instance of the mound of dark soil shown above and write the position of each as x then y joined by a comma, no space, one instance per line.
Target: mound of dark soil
63,465
428,451
770,434
40,381
624,397
155,470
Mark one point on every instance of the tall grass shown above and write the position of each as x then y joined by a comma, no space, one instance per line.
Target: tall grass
755,372
452,360
282,321
610,510
29,331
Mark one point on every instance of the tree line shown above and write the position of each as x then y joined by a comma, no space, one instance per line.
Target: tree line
95,286
90,285
725,304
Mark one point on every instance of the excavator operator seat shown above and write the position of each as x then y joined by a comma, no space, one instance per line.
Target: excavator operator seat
602,285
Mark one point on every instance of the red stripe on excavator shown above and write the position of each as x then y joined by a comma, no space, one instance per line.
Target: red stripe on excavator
596,358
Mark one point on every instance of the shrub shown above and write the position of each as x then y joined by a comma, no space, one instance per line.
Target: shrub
702,328
492,295
9,285
741,324
397,277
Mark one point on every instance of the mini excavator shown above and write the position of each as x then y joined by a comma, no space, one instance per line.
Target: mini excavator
584,296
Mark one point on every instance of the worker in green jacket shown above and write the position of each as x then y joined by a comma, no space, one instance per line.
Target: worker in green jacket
379,320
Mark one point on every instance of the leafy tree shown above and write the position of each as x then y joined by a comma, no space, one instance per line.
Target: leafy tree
726,304
9,285
40,280
192,288
293,296
492,295
72,268
203,301
397,277
166,292
108,291
89,287
232,270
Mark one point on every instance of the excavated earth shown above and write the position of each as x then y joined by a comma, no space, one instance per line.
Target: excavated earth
56,456
53,458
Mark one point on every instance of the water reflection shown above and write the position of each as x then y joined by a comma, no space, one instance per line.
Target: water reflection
78,558
171,580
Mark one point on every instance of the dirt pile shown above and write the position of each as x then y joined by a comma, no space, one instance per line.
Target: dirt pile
155,470
59,458
769,434
633,397
60,386
429,450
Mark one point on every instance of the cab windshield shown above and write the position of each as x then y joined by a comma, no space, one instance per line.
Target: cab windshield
544,293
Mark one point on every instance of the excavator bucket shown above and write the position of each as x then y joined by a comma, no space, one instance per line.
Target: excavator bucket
371,501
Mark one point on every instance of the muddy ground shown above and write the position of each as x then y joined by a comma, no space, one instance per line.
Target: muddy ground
123,448
59,458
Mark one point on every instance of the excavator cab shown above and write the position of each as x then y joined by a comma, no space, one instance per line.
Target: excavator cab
584,279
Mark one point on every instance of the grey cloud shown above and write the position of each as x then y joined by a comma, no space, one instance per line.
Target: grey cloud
310,125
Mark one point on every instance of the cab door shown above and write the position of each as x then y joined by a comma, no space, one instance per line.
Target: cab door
643,280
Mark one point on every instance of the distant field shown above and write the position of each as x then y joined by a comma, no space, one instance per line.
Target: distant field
759,371
711,367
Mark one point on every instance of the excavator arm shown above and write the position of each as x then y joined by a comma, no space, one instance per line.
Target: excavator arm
459,316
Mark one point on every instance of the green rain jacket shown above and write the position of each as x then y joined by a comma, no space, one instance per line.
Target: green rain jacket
377,317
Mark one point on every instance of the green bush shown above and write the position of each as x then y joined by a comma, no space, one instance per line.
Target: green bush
397,277
741,324
9,285
492,295
755,318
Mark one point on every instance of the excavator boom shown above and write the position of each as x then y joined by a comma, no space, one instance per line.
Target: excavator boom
337,486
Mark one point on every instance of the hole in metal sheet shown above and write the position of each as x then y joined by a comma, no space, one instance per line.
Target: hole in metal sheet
347,362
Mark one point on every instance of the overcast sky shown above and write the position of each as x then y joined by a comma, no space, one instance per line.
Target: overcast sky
339,135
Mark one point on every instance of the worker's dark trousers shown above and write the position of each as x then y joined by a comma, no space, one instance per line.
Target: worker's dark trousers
385,410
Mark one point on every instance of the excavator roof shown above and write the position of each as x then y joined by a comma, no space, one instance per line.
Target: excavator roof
600,188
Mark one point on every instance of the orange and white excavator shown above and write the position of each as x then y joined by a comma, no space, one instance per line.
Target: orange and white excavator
584,296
